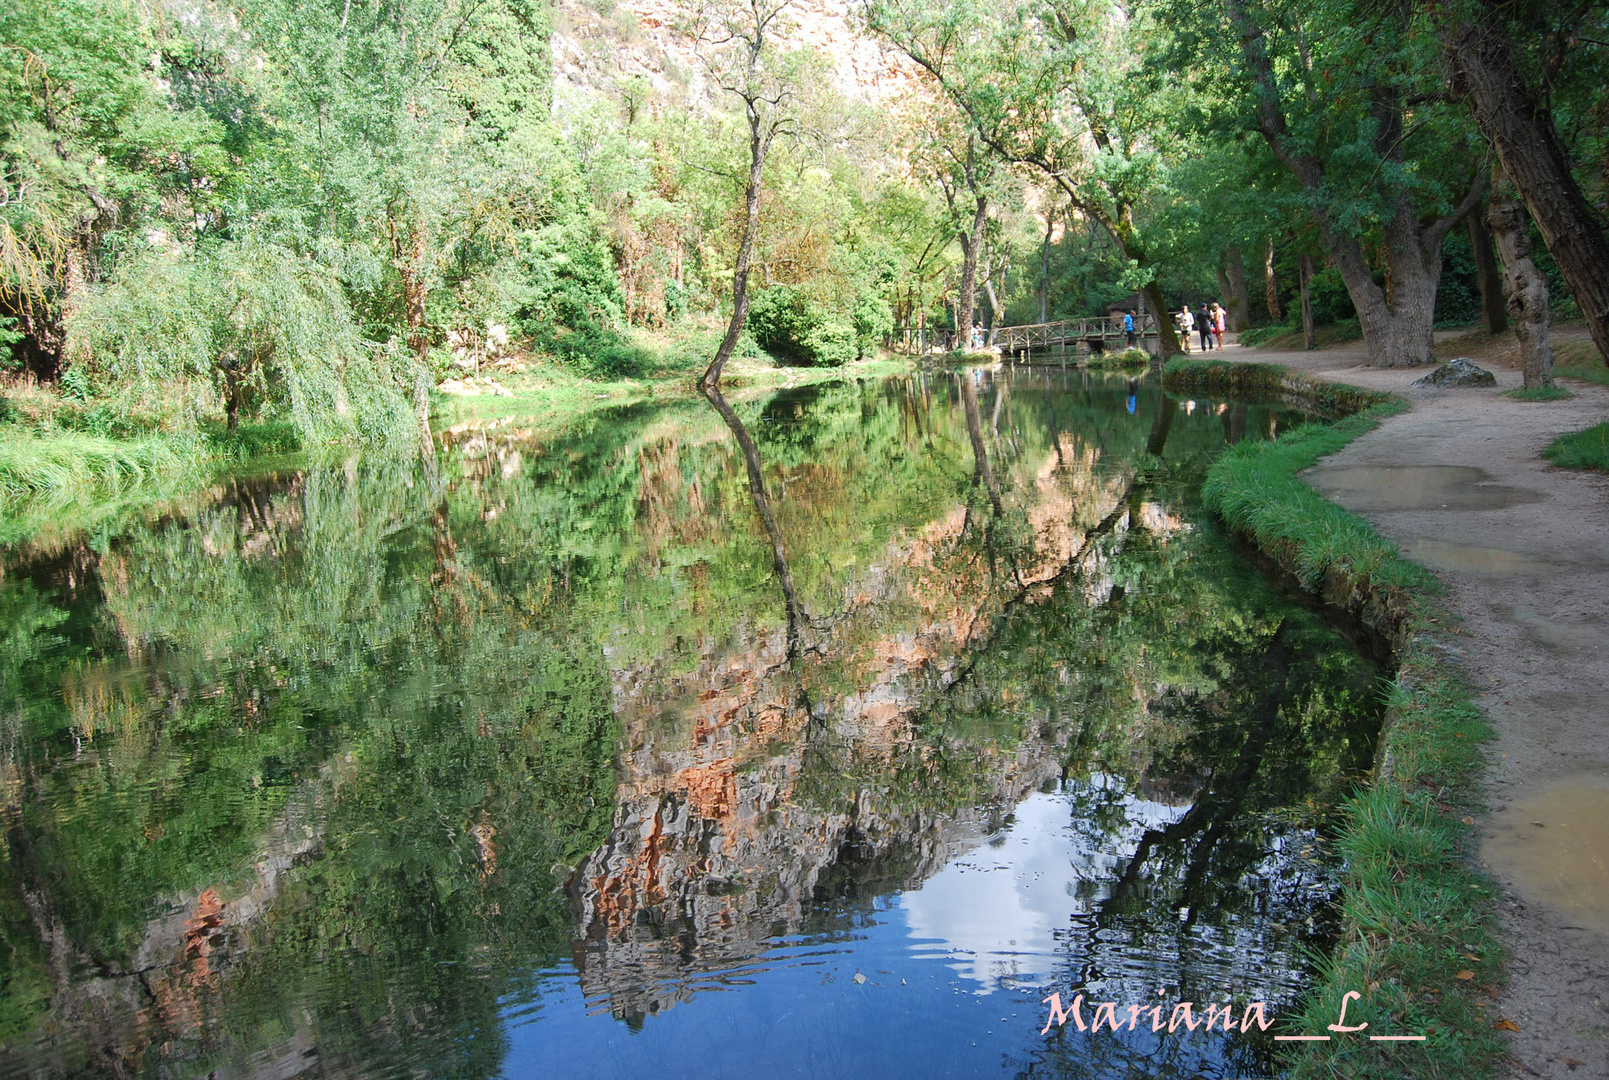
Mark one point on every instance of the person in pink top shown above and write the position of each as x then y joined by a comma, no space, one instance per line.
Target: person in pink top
1218,323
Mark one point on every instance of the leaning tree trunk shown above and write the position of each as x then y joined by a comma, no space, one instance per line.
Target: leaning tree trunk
759,143
1167,336
1533,156
1494,313
1527,291
1232,282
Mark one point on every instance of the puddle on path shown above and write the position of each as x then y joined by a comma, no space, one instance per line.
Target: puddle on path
1473,559
1417,487
1564,861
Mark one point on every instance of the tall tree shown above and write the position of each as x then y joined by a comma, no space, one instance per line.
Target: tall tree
1387,167
1060,87
1512,115
740,43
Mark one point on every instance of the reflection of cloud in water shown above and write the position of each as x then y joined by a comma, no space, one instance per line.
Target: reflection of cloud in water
995,912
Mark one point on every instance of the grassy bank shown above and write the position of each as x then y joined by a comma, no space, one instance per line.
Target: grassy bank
59,480
1292,337
1417,940
550,396
1587,449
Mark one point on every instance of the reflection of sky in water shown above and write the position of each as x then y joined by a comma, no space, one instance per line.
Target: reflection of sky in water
954,973
995,912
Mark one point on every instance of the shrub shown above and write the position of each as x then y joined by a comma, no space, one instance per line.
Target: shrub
873,321
787,325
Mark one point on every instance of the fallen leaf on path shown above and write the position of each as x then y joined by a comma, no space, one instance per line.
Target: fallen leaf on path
1468,820
1465,975
1505,1025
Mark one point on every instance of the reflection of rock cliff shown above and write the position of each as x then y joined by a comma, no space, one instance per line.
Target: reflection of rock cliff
751,788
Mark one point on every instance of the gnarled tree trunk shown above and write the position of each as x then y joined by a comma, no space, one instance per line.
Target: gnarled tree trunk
966,301
1397,321
1527,291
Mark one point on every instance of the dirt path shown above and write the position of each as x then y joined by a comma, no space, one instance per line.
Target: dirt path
1459,484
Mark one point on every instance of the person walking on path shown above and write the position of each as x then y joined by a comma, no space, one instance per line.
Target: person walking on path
1187,323
1204,328
1128,326
1218,324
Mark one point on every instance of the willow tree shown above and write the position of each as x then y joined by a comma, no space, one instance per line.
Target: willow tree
1062,87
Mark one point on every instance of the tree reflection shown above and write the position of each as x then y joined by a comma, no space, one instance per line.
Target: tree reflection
762,507
344,766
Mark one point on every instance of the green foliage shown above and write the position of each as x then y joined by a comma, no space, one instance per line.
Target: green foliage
1261,335
72,467
788,325
251,439
1587,449
873,320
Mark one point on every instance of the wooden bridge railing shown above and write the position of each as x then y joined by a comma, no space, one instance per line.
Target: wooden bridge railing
1083,336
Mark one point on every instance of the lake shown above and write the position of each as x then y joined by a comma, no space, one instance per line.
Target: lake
577,753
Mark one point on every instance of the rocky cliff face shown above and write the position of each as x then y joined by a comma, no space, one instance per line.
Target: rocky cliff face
602,46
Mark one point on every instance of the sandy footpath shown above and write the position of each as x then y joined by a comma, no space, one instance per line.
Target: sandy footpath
1460,485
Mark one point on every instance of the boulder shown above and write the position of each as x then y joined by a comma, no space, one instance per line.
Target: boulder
1458,372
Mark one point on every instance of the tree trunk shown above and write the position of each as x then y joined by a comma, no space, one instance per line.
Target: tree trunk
759,143
1309,335
413,312
996,313
1527,290
1232,280
1533,156
1271,284
1044,267
1167,337
1494,314
966,302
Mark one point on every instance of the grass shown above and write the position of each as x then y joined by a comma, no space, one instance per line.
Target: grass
1292,338
1539,393
1587,449
1417,919
554,396
70,466
1579,359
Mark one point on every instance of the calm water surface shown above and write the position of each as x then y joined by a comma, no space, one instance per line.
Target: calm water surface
572,757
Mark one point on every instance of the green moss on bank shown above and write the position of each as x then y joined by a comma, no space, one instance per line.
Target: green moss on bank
1415,914
1587,449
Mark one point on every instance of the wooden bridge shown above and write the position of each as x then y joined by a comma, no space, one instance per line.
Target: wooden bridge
1040,342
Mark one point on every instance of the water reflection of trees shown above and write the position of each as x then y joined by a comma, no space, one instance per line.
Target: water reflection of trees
329,748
